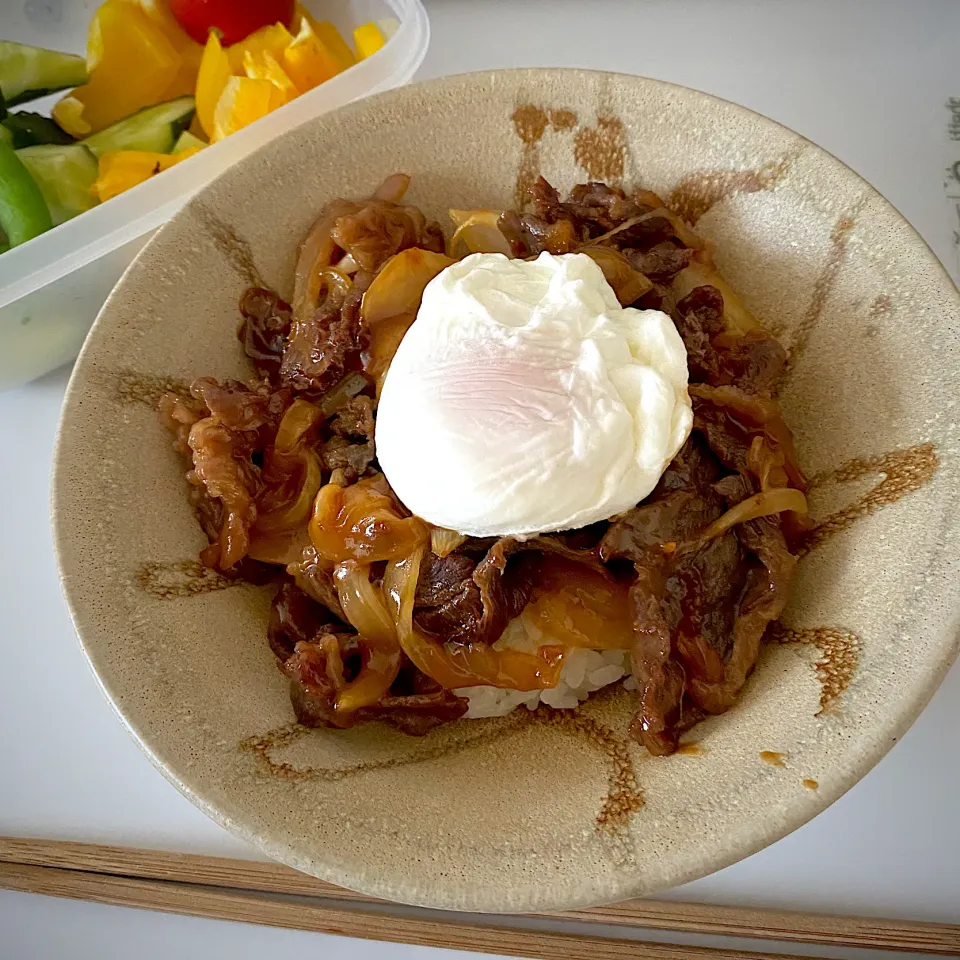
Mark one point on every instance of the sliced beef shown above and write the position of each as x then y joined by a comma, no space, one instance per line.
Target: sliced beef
319,669
765,593
339,453
350,450
751,362
731,420
296,618
661,262
441,578
354,419
676,595
265,329
490,593
699,319
321,352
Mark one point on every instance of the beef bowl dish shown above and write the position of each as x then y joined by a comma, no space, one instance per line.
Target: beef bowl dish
620,453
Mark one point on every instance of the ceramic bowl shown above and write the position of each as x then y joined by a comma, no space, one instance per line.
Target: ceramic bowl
542,810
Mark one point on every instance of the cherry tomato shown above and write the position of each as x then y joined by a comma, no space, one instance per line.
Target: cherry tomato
235,19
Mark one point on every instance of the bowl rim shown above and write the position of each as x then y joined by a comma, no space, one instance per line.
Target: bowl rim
765,832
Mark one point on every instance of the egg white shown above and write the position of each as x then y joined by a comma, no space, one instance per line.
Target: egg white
524,399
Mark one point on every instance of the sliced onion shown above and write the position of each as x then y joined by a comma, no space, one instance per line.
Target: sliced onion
383,348
763,504
365,609
628,284
296,513
318,249
760,414
619,228
680,229
289,518
391,303
398,287
577,606
362,522
767,463
317,252
648,198
478,232
362,603
460,217
282,548
335,283
299,417
348,265
279,533
393,188
443,542
400,589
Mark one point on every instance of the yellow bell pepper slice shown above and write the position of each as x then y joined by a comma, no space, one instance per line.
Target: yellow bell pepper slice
368,40
68,113
308,61
272,39
120,170
242,102
190,52
263,66
134,67
328,34
211,81
94,43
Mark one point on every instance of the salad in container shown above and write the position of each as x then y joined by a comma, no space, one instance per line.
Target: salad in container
167,95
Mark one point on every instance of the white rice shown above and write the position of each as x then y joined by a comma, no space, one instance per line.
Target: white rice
584,671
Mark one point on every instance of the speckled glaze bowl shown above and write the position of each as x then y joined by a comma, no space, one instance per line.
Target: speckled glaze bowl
551,809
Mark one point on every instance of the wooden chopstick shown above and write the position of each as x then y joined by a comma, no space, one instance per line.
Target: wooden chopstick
274,878
198,901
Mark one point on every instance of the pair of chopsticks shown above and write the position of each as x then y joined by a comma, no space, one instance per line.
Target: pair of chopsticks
247,891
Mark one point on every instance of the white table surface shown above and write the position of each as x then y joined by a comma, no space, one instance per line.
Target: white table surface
868,81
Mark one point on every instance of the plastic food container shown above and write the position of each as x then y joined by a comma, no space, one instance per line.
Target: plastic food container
52,287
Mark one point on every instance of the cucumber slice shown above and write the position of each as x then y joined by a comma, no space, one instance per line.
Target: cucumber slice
64,175
23,212
153,129
27,73
187,141
30,129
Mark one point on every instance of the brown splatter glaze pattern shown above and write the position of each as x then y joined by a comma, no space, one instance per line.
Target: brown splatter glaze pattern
699,193
901,472
822,288
182,578
839,657
622,799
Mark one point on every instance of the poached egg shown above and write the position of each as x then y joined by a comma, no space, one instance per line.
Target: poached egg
524,399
